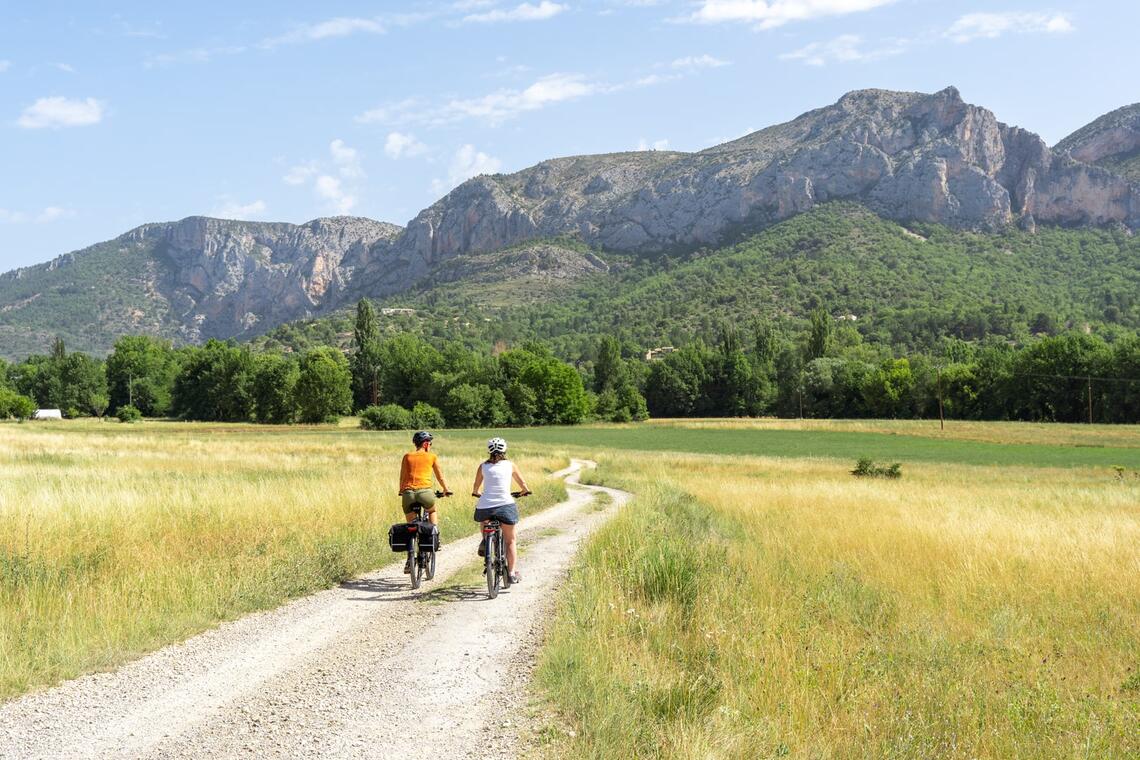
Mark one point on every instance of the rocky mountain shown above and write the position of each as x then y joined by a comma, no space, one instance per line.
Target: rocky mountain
909,157
191,280
1111,142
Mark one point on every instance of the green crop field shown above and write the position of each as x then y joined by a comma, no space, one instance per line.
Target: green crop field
1100,446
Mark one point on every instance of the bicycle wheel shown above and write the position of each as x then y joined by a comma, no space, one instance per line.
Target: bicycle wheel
417,566
429,566
492,567
503,564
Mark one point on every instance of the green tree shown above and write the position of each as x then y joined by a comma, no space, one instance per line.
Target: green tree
820,336
214,383
141,371
324,385
609,368
274,389
366,356
559,393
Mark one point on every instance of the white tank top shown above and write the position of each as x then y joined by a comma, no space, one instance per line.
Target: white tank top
496,484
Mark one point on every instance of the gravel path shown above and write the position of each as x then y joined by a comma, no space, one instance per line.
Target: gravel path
369,669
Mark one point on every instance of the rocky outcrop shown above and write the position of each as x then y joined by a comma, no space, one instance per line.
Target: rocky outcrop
908,156
224,278
1111,142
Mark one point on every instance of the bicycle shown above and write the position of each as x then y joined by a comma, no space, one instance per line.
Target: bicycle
422,558
495,553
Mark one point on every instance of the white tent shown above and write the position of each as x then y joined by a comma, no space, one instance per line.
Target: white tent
47,414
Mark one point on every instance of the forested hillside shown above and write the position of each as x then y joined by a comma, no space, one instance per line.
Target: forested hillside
899,287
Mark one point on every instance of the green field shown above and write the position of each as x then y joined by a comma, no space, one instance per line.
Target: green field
891,446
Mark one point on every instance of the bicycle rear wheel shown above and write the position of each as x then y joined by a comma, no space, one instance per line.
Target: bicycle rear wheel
492,566
429,566
503,562
417,564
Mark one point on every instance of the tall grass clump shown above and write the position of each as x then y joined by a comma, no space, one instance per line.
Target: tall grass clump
753,607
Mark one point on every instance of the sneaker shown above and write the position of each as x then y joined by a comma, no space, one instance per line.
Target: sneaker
408,566
516,577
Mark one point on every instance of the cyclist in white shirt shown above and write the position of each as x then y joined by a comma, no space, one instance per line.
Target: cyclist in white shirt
495,501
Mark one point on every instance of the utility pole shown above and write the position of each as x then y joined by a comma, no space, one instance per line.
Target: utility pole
1090,399
375,390
941,416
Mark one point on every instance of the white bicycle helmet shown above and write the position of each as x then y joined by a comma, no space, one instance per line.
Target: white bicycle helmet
496,446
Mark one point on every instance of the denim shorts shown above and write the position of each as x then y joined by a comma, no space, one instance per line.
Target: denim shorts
507,514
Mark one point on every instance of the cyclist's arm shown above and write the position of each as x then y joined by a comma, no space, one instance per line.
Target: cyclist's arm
439,477
519,478
403,472
478,481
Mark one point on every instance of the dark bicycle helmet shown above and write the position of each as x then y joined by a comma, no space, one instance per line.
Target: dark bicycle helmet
419,437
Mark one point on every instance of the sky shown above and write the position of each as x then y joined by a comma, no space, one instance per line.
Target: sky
115,114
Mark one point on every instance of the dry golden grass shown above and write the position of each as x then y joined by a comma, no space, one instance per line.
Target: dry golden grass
787,608
117,539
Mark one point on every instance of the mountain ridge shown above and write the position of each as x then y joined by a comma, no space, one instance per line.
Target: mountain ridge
909,157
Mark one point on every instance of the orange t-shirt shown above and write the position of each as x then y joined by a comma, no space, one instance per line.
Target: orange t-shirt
415,470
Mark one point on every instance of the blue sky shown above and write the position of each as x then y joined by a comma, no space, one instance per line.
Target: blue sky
117,114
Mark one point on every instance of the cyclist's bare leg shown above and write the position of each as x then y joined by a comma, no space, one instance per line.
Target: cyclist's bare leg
433,518
509,540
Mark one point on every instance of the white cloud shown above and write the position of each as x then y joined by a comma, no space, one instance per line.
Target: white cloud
4,66
334,27
67,68
331,189
644,144
231,209
692,63
767,15
846,48
975,26
300,174
346,159
59,112
47,215
465,164
522,12
494,108
400,145
335,180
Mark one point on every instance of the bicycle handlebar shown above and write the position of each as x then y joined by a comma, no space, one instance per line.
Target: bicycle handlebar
442,494
520,494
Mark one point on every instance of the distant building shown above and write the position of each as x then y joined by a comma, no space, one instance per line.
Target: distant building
47,414
657,354
397,312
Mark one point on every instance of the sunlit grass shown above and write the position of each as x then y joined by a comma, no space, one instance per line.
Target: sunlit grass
751,607
116,539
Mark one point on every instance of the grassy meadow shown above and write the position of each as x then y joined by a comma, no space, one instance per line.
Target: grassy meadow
116,539
762,606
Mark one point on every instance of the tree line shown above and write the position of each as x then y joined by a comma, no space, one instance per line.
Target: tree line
395,383
824,369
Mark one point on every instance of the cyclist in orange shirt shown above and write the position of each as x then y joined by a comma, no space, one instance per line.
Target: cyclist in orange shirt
415,481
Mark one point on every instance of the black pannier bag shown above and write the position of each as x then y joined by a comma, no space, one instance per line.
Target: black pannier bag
400,537
429,536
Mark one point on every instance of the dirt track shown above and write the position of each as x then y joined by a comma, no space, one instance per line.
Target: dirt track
367,669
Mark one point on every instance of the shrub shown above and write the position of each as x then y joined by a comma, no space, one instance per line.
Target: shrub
386,417
425,416
865,468
128,413
16,405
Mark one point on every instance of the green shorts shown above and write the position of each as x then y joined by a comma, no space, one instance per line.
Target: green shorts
425,496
